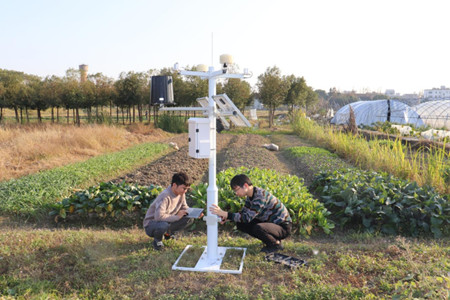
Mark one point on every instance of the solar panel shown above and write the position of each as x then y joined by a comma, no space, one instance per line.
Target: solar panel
204,102
226,107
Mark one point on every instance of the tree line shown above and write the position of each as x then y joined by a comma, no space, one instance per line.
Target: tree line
128,97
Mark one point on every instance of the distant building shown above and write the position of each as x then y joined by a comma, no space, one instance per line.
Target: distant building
258,104
83,72
437,94
390,93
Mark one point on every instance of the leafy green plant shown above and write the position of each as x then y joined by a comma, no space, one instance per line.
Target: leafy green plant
107,199
307,213
381,202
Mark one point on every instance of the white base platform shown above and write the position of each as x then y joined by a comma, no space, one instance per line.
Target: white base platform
204,265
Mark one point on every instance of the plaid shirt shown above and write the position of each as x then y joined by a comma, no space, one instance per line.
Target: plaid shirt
264,207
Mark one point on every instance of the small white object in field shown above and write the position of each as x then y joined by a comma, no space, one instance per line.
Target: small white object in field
271,147
403,129
174,145
433,134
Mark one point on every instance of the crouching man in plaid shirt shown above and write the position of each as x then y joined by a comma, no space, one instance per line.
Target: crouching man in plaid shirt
263,215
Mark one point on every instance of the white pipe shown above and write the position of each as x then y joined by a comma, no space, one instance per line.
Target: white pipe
212,252
212,191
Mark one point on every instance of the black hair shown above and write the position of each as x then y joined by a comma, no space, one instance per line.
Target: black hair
240,180
181,178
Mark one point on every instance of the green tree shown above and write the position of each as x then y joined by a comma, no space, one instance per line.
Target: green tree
297,93
104,93
337,99
311,98
321,94
51,91
37,99
272,90
27,96
88,97
71,94
196,88
238,91
12,82
132,89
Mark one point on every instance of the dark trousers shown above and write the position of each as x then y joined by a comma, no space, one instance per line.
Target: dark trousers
157,229
268,233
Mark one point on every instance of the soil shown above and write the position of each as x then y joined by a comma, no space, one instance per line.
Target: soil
232,151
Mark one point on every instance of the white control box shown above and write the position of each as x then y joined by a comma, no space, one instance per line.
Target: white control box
199,145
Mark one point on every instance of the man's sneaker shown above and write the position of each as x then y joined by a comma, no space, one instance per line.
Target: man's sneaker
272,248
158,245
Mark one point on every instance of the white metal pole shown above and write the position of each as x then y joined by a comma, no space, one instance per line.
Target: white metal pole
212,191
212,259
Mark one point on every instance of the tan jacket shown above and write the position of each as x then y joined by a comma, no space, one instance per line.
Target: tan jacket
165,207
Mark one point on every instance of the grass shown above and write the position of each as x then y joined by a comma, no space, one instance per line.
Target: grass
27,149
31,195
113,264
191,257
232,259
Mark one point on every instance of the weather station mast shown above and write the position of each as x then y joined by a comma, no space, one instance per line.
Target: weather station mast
203,145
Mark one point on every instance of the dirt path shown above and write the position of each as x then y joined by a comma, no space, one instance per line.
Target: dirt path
232,151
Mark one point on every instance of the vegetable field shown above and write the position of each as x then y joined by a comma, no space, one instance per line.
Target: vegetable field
350,254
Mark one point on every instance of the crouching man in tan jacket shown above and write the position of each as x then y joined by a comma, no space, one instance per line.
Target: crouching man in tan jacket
167,214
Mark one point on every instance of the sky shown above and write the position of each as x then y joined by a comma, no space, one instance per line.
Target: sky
359,45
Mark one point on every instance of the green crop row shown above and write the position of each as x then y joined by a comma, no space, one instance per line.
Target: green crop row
307,213
381,202
107,199
34,194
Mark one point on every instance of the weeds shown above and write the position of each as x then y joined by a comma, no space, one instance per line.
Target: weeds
172,123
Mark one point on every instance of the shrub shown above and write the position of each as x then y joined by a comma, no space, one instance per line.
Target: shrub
172,123
381,202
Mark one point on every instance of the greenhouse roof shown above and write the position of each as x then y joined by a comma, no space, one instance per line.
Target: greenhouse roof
369,112
435,114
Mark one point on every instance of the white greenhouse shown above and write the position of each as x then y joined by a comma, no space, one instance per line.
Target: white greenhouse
369,112
435,114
